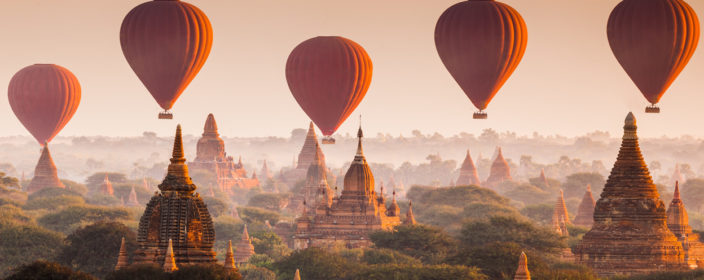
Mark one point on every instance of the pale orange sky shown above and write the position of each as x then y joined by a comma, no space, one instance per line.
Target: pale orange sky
568,83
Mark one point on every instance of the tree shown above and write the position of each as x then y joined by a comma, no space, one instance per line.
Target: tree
269,201
21,244
418,272
693,194
53,203
52,192
457,196
139,272
255,214
216,206
528,194
314,263
387,256
250,272
576,184
481,210
11,214
94,248
204,271
95,180
267,242
426,243
73,217
511,229
47,270
498,260
9,182
541,213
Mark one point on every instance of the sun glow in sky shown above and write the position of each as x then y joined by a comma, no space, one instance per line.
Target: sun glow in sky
568,83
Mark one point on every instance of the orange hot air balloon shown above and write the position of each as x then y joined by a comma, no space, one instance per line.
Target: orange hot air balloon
481,42
44,97
166,42
653,41
329,77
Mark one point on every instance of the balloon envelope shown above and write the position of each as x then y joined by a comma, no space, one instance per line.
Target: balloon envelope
329,77
44,97
653,41
481,43
166,43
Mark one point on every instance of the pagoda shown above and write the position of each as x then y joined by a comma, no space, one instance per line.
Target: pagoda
544,179
585,212
176,213
630,233
560,210
106,188
678,223
410,219
305,158
316,187
522,272
211,156
349,218
500,171
468,173
45,174
244,249
132,200
266,173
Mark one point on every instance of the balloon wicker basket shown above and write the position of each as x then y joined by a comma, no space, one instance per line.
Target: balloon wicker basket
166,116
328,140
480,115
652,109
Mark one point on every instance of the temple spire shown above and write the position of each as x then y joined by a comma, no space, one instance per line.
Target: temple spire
676,196
360,150
211,127
132,199
560,210
468,172
122,257
177,178
585,212
410,219
297,275
522,273
245,249
229,257
45,173
169,260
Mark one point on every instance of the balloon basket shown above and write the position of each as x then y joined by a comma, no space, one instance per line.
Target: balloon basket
652,109
166,116
328,140
481,115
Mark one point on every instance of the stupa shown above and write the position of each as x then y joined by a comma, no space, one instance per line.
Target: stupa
522,272
500,171
585,212
678,223
630,233
132,200
176,213
409,219
468,173
305,158
45,173
244,249
349,218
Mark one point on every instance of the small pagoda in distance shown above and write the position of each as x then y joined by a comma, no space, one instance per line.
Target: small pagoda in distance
177,216
45,174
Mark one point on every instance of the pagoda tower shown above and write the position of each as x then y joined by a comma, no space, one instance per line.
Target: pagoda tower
630,233
230,257
106,188
176,213
677,175
585,212
409,219
468,173
678,223
560,211
544,179
351,216
122,257
266,173
500,171
522,272
244,249
132,200
45,174
310,146
169,259
316,180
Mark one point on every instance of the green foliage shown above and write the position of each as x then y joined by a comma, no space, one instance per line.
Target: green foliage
417,272
671,275
204,271
139,272
511,229
261,260
94,248
269,201
484,211
552,187
498,260
21,244
314,263
47,270
73,217
203,177
447,217
250,272
94,181
6,201
53,203
216,206
12,214
254,214
426,243
267,242
693,194
576,184
563,271
457,196
528,194
541,213
387,256
52,192
76,187
8,182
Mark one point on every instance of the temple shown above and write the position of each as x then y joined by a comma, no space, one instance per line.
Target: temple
132,200
244,249
544,179
585,212
500,171
409,219
211,156
305,158
630,234
230,257
176,213
468,173
106,188
678,223
45,174
560,211
122,257
349,218
522,272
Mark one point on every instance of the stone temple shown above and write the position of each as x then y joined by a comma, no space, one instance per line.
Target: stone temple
176,213
468,173
45,174
305,158
678,223
347,219
630,233
499,172
211,156
585,212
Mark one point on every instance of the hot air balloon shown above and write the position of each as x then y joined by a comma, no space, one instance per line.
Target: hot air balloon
329,77
44,97
481,42
166,43
653,41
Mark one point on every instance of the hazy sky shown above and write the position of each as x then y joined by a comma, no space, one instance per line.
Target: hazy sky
568,82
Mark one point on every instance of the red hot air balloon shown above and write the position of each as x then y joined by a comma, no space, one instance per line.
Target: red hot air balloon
329,77
44,97
166,42
653,41
481,42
